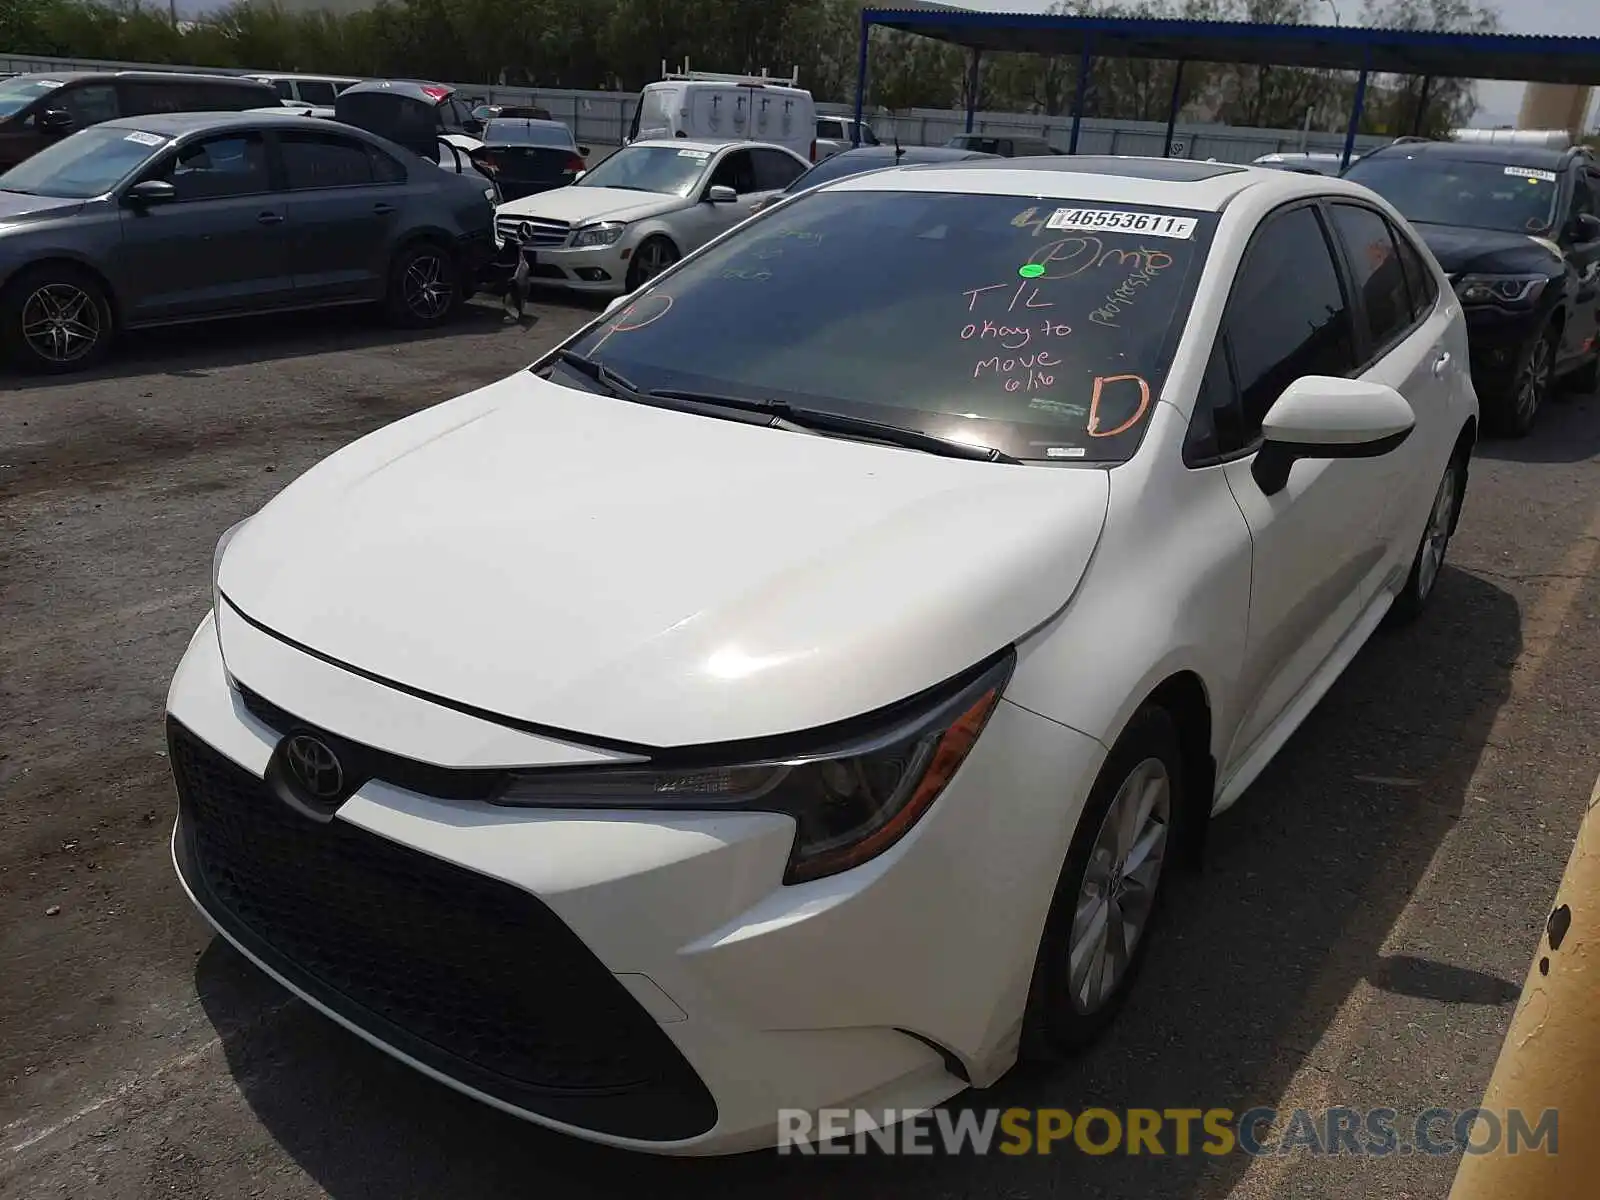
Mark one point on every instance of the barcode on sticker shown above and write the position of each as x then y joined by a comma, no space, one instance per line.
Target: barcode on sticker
145,139
1111,220
1530,173
694,154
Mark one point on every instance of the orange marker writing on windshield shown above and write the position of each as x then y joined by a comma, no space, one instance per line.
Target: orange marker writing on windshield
1094,404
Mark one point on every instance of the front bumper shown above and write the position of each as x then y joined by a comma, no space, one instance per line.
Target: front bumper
1497,338
639,979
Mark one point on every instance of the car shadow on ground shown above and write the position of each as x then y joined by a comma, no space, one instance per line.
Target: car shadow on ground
1304,878
207,346
1568,431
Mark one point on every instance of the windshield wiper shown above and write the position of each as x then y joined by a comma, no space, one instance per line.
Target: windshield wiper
819,420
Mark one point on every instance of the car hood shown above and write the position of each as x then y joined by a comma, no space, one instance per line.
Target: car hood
656,577
1462,250
575,204
16,208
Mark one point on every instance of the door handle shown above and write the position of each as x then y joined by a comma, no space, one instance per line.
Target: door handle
270,218
1440,363
382,208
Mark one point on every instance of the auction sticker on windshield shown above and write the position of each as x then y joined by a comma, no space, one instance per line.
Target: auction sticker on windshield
1530,173
1120,221
145,139
694,154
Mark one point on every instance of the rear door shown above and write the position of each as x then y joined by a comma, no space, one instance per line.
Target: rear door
344,205
1404,345
220,247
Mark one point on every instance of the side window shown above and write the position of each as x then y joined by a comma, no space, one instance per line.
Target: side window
737,172
141,99
89,104
318,160
774,171
317,92
226,97
829,129
1376,272
1287,315
1421,284
1213,428
384,168
285,88
868,138
218,168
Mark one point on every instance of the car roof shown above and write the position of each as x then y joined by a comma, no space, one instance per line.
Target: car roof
404,87
911,154
146,76
1508,154
1161,182
528,123
175,125
678,143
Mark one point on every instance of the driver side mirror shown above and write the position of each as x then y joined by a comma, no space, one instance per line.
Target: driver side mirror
579,176
472,125
1586,228
720,193
583,151
1323,417
151,191
56,120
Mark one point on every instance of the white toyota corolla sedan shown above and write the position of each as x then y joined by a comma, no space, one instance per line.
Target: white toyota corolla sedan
797,689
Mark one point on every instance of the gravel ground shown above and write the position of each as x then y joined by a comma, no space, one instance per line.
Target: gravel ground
1358,938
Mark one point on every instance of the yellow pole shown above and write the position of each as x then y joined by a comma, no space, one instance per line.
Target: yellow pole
1551,1057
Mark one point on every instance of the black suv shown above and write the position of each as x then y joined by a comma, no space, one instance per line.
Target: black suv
1517,230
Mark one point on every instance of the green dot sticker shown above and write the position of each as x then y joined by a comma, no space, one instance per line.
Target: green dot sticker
1031,270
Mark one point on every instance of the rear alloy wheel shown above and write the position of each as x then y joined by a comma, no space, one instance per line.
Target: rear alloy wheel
1530,384
653,256
1429,560
56,319
424,289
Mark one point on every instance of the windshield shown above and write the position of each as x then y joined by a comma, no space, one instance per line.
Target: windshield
1478,195
17,94
1041,330
526,133
663,169
89,163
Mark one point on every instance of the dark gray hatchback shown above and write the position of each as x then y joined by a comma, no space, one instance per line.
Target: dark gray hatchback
183,217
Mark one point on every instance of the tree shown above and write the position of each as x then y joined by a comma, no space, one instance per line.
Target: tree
1393,101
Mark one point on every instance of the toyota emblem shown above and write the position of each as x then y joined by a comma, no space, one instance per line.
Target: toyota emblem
313,766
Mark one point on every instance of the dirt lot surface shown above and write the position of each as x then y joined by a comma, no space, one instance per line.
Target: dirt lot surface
1359,936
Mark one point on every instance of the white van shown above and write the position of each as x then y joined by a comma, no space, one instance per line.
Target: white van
714,107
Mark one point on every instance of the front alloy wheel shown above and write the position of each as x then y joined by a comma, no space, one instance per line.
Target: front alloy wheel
1531,384
1429,560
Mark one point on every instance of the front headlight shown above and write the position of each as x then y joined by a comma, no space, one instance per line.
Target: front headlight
228,535
850,802
1500,289
604,234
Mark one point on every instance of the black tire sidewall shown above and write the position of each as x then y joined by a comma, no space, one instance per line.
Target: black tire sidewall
395,300
1408,605
634,283
15,346
1052,1029
1506,422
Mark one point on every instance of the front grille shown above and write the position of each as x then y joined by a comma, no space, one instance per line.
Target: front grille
541,232
474,977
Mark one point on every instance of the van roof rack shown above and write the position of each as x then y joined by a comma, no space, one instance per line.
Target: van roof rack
727,77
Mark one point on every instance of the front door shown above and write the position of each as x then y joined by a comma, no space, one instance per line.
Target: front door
344,204
1316,542
1583,250
219,247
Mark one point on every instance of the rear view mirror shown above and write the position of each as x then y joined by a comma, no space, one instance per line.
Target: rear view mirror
584,151
722,194
56,120
1586,227
152,191
1327,417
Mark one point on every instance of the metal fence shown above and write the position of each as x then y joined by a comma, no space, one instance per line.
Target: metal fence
603,118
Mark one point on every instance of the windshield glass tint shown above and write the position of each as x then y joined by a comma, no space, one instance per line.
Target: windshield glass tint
89,163
17,94
664,169
967,317
526,133
1479,195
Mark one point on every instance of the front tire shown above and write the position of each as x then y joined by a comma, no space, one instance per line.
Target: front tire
1110,893
654,255
56,318
425,288
1429,560
1517,405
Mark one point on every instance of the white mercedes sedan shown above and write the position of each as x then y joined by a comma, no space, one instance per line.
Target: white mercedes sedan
798,689
642,209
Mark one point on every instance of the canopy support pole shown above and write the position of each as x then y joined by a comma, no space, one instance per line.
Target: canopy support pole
1085,65
1172,109
1355,119
861,77
972,86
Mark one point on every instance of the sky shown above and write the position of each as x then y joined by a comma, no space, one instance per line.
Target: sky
1499,101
